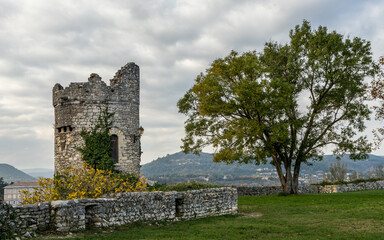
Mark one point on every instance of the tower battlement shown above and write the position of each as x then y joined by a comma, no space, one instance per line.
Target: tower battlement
78,106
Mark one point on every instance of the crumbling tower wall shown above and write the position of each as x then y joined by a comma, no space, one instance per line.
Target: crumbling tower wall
78,107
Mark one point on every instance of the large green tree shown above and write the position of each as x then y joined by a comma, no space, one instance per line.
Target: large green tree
284,104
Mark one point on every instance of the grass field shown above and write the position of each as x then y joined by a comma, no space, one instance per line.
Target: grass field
353,215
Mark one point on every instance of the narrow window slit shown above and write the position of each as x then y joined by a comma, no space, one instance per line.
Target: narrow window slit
115,147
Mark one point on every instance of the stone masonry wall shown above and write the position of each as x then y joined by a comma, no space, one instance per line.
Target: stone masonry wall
24,220
272,190
78,106
312,189
75,215
206,202
378,185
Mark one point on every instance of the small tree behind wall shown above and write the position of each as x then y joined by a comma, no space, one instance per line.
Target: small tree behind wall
97,149
354,176
2,185
338,170
379,172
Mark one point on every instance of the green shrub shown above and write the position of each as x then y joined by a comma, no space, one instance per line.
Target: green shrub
126,177
361,180
366,180
157,187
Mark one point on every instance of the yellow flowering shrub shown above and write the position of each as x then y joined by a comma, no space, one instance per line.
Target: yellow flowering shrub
85,182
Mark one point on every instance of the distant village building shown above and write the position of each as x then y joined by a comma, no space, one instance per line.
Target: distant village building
78,107
12,193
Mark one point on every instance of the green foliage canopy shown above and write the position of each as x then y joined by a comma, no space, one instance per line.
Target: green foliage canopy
287,102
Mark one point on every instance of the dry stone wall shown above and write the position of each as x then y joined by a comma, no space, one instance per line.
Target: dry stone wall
272,190
25,220
206,202
9,222
312,189
378,185
123,208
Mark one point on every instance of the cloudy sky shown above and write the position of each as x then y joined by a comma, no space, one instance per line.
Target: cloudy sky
43,42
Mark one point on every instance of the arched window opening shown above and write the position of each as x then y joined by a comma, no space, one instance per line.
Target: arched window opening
115,148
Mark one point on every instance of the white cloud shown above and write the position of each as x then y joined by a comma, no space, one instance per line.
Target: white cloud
43,42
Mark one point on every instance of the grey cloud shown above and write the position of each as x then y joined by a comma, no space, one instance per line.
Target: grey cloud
26,152
43,43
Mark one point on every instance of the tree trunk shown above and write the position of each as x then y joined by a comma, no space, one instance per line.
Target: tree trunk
290,186
289,182
296,173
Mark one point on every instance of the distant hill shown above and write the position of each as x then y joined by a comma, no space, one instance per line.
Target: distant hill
179,166
181,163
362,166
39,172
12,174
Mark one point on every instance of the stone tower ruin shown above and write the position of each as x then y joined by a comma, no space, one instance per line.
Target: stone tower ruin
78,106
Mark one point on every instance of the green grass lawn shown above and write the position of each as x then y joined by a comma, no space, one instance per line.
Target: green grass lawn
353,215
